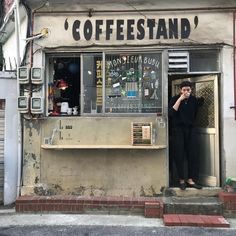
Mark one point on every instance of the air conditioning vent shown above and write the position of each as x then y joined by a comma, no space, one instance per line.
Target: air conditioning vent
178,61
141,133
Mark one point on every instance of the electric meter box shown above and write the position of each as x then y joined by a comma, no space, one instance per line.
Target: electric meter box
37,75
23,104
23,75
36,105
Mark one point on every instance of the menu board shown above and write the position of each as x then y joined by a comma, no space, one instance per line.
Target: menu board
133,83
152,83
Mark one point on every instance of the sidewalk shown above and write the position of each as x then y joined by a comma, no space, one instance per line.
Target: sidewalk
8,217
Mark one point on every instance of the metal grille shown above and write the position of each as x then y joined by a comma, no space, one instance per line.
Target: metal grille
178,61
206,117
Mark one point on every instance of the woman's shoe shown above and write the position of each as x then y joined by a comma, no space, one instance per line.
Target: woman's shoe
182,186
194,185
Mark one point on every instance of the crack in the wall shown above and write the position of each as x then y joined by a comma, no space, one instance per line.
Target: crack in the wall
47,189
33,126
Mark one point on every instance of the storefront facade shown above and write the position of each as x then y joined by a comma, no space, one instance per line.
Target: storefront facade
94,97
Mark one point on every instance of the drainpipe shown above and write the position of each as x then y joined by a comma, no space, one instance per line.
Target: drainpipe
230,9
234,66
19,151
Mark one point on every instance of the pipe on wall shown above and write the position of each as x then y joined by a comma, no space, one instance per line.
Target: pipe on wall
19,154
141,10
234,66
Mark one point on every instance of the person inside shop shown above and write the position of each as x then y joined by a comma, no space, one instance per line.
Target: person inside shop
182,113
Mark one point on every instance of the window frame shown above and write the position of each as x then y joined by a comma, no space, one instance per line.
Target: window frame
164,73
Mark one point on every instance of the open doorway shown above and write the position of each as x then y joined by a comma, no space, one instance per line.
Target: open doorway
207,128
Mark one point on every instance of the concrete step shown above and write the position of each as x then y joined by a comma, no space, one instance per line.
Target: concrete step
193,205
192,201
191,192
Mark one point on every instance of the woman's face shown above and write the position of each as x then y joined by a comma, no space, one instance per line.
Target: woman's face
186,91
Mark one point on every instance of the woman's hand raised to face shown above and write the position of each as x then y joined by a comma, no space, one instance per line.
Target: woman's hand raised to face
184,96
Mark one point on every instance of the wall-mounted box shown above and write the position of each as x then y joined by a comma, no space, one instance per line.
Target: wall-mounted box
36,105
23,75
141,133
37,75
23,104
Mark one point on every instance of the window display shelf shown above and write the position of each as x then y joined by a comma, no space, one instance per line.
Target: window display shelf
64,146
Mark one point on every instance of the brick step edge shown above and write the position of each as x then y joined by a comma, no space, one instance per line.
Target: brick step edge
195,220
229,201
149,206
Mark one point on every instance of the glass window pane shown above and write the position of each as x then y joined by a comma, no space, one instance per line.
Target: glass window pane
152,83
92,83
64,86
206,113
206,60
133,83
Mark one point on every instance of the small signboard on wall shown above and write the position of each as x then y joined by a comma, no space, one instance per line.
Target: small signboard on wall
141,133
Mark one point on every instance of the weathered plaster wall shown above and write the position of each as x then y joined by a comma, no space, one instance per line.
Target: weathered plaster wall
205,27
92,171
228,128
104,172
31,155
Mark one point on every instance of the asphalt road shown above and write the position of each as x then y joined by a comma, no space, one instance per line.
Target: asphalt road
112,230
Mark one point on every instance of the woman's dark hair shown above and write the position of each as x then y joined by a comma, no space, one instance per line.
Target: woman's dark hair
185,84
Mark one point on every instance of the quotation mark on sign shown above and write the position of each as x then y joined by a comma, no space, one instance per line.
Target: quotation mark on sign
66,24
195,22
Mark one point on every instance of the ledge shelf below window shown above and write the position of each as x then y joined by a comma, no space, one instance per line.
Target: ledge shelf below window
152,147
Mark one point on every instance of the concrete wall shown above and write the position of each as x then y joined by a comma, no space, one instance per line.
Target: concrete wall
104,172
205,27
228,124
93,171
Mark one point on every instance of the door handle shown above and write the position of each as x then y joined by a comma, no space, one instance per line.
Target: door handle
232,107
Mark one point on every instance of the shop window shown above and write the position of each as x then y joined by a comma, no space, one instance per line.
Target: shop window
64,86
204,60
133,83
92,83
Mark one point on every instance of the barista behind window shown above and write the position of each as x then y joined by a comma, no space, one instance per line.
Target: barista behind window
182,112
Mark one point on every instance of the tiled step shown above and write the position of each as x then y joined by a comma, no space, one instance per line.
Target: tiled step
193,205
195,220
150,207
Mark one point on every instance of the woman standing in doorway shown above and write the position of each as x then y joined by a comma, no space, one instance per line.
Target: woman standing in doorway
182,112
